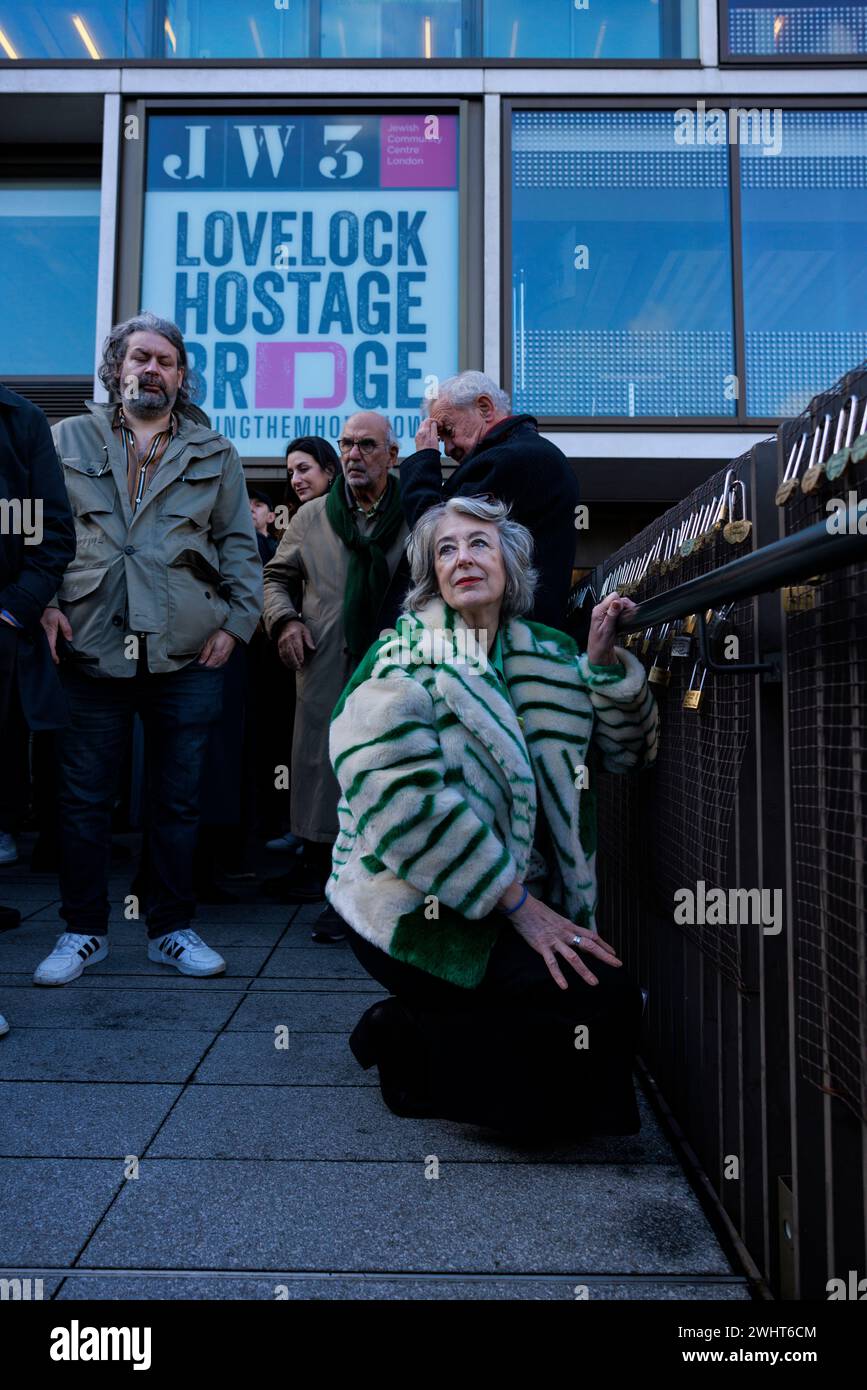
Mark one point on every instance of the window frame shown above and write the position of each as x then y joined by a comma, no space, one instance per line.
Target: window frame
740,420
470,286
788,60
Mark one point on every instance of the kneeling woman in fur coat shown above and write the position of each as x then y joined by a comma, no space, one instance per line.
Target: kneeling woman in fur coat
465,863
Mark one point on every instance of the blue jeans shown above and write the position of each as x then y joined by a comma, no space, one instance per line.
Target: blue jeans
176,709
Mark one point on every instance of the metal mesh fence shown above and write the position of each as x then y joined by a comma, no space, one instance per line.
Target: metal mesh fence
826,648
672,829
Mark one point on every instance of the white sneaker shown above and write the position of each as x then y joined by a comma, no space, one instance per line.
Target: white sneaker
284,844
187,952
4,1026
8,848
69,957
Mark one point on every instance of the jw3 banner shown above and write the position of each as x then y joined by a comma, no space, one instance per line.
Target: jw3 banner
311,263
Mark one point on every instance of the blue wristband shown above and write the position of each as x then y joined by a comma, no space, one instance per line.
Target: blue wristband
508,911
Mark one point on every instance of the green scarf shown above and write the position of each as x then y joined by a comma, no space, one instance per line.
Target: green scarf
368,576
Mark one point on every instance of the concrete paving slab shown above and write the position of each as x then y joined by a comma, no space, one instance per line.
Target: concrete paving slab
171,980
313,1059
287,1160
307,1013
254,911
29,899
122,1009
336,962
100,1054
66,1119
310,984
48,1207
258,1122
222,935
334,1288
29,1285
380,1217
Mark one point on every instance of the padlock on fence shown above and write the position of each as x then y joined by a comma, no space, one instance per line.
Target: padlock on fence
737,530
815,472
800,598
854,450
790,476
695,691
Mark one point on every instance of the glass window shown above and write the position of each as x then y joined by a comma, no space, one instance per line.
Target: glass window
228,29
393,29
311,263
351,29
797,27
49,245
621,263
591,29
93,29
805,271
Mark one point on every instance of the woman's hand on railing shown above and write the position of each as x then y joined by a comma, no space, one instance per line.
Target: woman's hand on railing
603,628
552,935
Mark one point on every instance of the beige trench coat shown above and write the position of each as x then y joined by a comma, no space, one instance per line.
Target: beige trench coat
310,569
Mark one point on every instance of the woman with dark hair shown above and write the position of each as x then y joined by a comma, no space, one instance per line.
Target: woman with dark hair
311,467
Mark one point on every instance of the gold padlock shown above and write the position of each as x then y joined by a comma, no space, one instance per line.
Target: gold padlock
693,697
815,458
659,675
799,598
814,474
736,531
785,490
842,456
690,623
812,478
790,477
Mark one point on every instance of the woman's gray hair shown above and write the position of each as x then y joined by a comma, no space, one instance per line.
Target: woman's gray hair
114,351
465,388
516,544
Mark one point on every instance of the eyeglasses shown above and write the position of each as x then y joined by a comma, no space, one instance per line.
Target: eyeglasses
364,446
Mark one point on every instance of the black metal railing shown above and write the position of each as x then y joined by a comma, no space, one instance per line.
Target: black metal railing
757,1039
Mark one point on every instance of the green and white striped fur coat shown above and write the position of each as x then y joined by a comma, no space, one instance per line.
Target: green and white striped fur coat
440,773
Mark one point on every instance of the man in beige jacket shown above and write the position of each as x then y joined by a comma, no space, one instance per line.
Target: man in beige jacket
165,581
323,591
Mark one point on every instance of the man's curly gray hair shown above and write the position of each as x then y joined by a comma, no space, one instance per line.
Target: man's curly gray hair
465,388
114,351
516,544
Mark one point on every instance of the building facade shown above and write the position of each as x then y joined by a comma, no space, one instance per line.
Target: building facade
646,218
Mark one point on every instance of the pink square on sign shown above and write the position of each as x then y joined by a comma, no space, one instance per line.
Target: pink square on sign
418,151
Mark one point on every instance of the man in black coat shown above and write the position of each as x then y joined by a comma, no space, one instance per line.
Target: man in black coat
37,542
504,455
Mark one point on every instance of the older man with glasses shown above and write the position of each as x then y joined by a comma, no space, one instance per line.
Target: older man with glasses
323,592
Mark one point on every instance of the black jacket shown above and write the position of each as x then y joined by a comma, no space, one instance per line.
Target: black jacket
517,465
30,574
